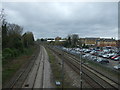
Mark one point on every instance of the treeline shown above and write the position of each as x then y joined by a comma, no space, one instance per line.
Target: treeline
14,42
70,41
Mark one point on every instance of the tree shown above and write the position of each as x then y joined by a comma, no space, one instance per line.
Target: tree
4,34
14,32
28,39
3,29
75,38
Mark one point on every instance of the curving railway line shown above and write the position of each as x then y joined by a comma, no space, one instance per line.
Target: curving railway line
32,80
93,77
19,78
32,76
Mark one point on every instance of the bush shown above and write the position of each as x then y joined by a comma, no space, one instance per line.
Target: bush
16,52
25,50
7,53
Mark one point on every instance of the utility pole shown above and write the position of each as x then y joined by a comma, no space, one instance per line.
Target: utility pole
81,70
62,72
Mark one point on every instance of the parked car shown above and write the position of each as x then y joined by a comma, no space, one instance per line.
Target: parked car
101,60
94,58
87,51
110,55
100,54
105,55
117,58
114,56
92,52
104,61
117,67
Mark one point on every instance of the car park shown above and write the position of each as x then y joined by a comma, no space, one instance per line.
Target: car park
102,56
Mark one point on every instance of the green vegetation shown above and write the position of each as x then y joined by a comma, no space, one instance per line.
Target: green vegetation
70,42
17,48
10,68
13,42
55,68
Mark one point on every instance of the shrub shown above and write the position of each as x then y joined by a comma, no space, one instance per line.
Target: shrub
15,52
7,53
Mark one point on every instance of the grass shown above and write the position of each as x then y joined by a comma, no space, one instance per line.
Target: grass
57,71
103,68
55,68
10,68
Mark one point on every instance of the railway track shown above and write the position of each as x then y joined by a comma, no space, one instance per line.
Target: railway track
110,81
35,77
23,73
98,80
38,66
38,81
28,77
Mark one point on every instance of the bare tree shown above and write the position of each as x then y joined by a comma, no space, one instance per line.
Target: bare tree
75,38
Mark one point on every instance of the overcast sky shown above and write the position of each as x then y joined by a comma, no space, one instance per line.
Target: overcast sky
93,19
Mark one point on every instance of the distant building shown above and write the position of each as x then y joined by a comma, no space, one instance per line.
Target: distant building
62,40
99,42
89,41
50,39
118,44
106,42
57,38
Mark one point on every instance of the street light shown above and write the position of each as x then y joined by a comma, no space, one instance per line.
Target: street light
81,70
62,73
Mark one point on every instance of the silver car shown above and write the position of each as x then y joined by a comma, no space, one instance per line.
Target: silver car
117,67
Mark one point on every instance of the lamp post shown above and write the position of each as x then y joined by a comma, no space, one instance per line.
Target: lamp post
62,71
81,70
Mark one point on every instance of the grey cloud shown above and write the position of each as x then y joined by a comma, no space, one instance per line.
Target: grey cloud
61,19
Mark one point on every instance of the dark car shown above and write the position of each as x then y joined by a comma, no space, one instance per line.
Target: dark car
104,61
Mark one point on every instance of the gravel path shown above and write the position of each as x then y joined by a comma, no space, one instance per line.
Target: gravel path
47,82
40,75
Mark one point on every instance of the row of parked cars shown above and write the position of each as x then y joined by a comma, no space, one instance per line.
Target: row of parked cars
109,54
95,58
101,56
100,60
